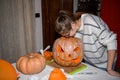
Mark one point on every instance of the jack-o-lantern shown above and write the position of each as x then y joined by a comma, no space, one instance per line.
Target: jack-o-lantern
67,51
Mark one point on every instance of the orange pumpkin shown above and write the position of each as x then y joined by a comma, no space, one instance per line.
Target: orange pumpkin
7,71
48,55
31,63
57,74
67,51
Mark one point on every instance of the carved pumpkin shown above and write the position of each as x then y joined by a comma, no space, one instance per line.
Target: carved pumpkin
57,74
31,63
67,51
48,55
7,71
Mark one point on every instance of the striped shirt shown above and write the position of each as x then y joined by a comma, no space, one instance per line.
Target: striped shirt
97,39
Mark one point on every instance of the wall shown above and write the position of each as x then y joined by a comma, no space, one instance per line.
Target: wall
39,38
110,13
75,5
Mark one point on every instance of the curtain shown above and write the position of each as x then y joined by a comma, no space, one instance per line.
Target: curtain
17,29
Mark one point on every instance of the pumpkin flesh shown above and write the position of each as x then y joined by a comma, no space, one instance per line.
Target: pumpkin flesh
48,55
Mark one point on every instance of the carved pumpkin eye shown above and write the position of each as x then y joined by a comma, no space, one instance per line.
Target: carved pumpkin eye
59,49
76,49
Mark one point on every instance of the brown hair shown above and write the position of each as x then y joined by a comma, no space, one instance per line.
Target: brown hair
63,21
77,15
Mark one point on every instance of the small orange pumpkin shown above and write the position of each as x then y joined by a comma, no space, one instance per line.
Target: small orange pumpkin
48,55
67,51
57,74
7,71
32,63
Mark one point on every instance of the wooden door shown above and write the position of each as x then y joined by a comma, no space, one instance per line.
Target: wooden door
50,9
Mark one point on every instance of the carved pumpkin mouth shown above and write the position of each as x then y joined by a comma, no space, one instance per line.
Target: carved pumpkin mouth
76,60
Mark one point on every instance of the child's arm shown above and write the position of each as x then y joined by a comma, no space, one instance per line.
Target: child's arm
111,58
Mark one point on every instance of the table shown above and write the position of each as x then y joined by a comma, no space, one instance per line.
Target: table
90,73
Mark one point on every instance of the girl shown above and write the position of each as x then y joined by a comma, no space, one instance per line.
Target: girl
99,42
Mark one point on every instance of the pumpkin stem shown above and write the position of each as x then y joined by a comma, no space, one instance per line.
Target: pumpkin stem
30,56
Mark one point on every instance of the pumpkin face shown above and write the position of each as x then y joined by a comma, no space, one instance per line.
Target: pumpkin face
67,51
31,63
7,71
57,74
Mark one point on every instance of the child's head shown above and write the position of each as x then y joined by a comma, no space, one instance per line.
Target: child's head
66,23
63,22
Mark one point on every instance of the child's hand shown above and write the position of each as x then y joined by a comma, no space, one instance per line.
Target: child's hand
113,73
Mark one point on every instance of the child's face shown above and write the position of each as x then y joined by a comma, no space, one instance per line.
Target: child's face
72,31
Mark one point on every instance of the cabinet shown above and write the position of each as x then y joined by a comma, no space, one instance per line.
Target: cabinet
50,9
89,6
